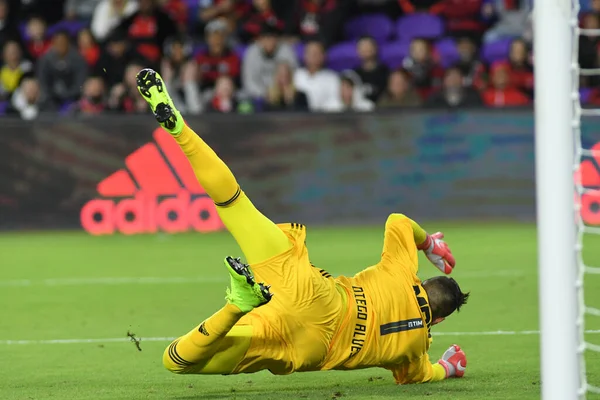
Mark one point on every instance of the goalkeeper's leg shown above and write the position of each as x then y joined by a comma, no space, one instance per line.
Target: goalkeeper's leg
258,237
216,346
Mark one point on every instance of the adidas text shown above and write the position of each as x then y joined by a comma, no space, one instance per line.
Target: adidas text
145,214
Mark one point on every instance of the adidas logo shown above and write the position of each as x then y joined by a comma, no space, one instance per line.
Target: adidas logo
588,175
157,191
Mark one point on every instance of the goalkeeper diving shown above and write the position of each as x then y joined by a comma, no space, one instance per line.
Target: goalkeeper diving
285,315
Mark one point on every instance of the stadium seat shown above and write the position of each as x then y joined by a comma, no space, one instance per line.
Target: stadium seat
67,108
496,51
392,53
420,25
193,7
73,27
299,50
378,26
198,49
240,50
342,56
23,31
584,95
447,52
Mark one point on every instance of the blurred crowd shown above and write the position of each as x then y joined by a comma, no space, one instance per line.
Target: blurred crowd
246,56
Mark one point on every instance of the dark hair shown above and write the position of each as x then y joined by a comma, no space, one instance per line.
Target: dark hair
117,35
521,41
404,72
368,38
371,40
454,68
315,41
62,32
269,29
444,296
421,39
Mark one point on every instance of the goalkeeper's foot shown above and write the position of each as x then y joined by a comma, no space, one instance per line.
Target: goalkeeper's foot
244,292
152,88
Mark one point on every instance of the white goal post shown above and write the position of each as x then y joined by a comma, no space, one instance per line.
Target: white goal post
555,71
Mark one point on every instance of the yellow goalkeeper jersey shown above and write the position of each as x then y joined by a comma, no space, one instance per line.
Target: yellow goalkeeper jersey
388,317
378,318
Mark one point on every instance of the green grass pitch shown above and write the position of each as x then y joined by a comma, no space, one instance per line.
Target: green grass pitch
74,286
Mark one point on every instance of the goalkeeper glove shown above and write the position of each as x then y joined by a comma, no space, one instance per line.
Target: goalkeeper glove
454,362
438,252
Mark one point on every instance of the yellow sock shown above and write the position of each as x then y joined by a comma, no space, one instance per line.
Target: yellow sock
212,173
418,233
202,342
439,373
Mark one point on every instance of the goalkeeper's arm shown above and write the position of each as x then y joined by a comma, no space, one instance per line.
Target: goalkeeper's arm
436,250
452,365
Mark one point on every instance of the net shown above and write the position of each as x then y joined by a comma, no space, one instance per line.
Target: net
587,194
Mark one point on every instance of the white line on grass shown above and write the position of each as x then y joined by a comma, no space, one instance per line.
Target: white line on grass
110,281
154,280
169,339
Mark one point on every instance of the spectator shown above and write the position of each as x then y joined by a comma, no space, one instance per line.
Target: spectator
591,81
351,96
282,95
113,59
520,68
80,9
319,20
26,99
322,86
13,69
372,73
52,10
177,10
472,69
218,59
426,73
462,17
61,71
389,7
588,45
88,48
261,59
124,97
37,42
399,91
593,6
262,14
8,27
93,101
513,19
109,14
147,30
179,72
593,99
223,99
501,94
230,11
454,94
412,6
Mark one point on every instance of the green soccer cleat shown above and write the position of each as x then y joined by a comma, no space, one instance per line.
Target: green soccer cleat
152,88
245,293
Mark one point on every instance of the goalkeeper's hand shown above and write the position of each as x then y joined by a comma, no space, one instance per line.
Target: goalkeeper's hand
454,362
438,252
